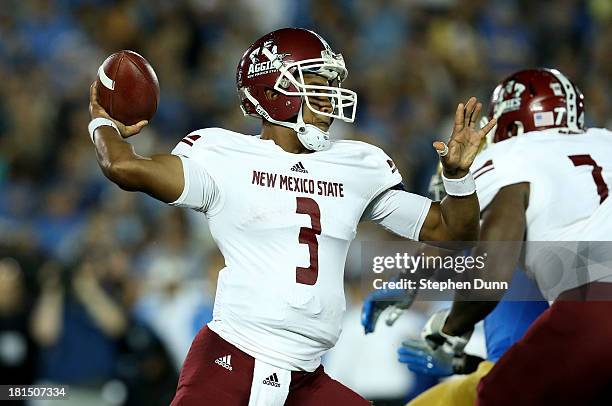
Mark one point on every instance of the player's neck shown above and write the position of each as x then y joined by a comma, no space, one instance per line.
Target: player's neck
284,137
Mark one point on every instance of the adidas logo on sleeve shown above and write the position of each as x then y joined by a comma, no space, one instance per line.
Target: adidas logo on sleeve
225,362
272,380
299,167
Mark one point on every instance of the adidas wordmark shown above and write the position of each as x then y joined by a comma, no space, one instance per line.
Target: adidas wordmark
272,380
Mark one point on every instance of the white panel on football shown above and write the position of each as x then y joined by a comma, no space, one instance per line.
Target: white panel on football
105,80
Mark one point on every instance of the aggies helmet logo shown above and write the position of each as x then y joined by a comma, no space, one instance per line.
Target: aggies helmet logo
260,64
509,96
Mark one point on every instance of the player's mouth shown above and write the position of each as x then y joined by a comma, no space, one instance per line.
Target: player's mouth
323,124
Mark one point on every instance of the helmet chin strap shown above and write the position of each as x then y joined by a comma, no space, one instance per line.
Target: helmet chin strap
311,136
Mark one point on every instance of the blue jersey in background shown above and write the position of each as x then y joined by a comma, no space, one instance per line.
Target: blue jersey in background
511,318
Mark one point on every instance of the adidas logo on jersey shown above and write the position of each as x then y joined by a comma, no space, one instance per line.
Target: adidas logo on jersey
272,380
299,168
225,362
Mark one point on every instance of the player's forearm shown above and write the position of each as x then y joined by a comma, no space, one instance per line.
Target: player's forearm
461,217
160,176
503,229
472,306
452,219
465,314
117,158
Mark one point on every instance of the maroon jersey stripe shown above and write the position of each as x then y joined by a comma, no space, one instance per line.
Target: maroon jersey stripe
483,172
485,165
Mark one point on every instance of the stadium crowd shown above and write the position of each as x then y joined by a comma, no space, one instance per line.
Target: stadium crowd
104,289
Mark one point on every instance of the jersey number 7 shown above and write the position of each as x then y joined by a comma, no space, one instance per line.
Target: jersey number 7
602,187
308,235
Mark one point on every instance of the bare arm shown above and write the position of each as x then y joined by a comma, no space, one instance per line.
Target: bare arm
452,219
504,220
46,322
105,312
458,218
160,176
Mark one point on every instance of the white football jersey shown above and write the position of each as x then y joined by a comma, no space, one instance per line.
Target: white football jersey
283,223
569,176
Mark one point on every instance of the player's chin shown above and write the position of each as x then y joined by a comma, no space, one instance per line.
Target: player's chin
322,126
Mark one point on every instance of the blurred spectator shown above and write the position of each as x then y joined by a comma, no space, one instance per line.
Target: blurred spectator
144,369
77,321
17,349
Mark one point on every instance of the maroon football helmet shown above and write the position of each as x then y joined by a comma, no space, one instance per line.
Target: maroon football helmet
533,100
278,61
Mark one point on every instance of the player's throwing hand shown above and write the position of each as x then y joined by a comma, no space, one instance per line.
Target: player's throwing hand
96,111
458,155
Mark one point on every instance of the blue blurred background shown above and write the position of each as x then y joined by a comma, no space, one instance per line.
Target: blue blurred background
103,289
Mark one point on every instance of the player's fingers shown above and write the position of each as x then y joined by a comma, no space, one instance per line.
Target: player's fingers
488,127
441,148
93,92
413,361
412,358
393,315
414,344
94,105
475,114
366,317
408,352
459,117
469,109
140,124
135,129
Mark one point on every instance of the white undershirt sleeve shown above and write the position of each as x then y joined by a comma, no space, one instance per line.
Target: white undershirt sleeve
400,212
200,192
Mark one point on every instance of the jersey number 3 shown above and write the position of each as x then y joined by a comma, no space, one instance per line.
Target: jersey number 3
602,187
308,236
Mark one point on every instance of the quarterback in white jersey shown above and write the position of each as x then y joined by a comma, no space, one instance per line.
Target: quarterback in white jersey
283,207
280,298
545,178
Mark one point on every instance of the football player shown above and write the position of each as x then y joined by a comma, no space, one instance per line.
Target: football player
283,207
505,325
544,178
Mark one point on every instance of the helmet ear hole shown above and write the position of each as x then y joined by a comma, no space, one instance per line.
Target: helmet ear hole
271,94
512,130
532,91
515,129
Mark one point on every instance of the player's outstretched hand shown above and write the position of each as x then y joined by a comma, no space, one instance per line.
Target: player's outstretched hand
378,300
421,358
436,353
96,110
458,155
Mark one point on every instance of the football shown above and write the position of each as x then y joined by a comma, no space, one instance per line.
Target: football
128,88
